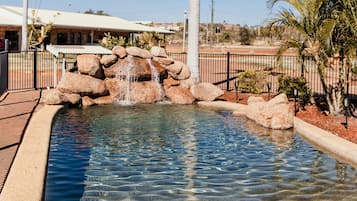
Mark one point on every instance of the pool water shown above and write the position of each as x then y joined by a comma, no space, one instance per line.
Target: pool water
167,152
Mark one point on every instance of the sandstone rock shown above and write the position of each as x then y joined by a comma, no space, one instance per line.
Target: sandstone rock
206,91
74,99
87,101
82,84
164,61
184,74
279,99
137,52
179,95
119,51
254,99
175,69
89,65
187,84
108,60
275,114
157,51
137,68
104,100
52,97
139,92
169,82
55,97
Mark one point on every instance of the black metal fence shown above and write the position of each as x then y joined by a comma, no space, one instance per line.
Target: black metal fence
221,69
28,70
3,72
31,70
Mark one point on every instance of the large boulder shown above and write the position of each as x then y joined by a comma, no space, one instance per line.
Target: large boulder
164,61
89,65
169,82
82,84
55,97
157,51
206,91
138,69
179,95
87,101
138,52
119,51
108,60
104,100
276,113
138,92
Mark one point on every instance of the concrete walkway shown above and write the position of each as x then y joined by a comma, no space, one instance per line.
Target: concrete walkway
16,109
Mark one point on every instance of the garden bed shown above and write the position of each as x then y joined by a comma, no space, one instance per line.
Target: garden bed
313,115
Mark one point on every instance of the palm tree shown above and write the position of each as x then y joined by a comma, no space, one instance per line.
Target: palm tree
313,21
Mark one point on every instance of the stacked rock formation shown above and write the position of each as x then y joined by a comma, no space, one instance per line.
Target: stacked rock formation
130,74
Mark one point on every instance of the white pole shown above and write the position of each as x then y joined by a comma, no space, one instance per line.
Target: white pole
193,39
184,31
24,25
54,71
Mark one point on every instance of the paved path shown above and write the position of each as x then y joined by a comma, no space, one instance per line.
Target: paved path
15,111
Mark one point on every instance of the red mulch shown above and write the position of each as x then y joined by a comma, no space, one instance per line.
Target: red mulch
313,115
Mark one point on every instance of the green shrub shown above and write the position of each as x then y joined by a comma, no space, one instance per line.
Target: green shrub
287,84
110,41
252,81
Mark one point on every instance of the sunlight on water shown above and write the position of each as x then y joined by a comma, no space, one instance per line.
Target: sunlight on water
169,152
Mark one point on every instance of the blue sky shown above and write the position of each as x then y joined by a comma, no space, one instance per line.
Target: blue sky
250,12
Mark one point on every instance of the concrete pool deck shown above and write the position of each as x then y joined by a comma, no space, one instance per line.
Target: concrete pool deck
26,180
16,109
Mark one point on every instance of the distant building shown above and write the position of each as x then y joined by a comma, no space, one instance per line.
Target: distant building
68,28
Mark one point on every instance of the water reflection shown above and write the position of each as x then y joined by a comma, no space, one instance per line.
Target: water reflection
187,153
280,138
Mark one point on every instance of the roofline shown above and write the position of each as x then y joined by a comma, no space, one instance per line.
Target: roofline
144,27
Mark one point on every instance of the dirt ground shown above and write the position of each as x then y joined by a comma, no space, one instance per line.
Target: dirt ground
313,115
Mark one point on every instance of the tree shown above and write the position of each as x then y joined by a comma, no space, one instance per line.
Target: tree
98,12
245,36
314,22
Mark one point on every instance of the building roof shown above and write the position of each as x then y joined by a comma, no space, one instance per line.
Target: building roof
56,50
12,16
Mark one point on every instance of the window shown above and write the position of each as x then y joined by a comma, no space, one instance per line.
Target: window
62,38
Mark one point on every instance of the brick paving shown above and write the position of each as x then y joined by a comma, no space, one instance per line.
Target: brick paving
15,111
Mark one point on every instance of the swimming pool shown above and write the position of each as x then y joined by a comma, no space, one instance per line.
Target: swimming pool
168,152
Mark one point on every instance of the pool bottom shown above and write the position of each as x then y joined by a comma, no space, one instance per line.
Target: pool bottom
149,152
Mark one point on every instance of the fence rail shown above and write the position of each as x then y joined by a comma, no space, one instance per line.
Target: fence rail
222,69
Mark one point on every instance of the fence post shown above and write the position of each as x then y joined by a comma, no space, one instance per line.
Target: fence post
303,66
35,69
7,45
228,68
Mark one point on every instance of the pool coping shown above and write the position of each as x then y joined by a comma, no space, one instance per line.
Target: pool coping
26,180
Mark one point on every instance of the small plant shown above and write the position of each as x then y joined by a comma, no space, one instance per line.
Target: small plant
110,41
252,81
287,84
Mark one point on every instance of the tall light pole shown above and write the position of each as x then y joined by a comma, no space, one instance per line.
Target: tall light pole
24,25
212,21
184,30
193,39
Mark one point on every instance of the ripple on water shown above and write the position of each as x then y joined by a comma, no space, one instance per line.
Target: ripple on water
172,152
